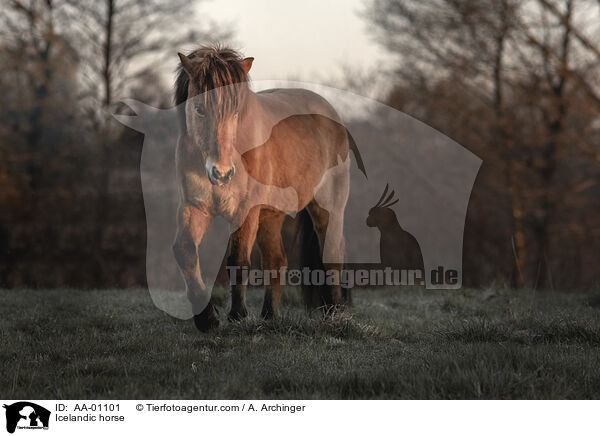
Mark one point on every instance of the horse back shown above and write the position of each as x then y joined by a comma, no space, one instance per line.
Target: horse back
302,145
298,101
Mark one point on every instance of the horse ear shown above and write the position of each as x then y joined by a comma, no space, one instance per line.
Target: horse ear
187,64
246,64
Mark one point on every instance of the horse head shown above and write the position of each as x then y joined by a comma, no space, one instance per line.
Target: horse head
213,84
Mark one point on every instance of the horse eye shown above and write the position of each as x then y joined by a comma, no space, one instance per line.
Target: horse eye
199,110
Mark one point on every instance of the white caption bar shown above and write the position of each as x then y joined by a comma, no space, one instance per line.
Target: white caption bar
257,417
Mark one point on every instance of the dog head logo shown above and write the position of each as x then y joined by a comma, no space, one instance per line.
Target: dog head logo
26,415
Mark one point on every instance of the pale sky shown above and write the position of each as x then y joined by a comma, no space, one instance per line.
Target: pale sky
305,40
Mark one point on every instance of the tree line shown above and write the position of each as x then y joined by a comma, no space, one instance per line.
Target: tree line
515,82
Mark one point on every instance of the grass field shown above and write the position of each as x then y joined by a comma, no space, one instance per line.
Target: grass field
411,343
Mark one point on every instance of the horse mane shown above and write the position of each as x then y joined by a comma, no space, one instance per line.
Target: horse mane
218,67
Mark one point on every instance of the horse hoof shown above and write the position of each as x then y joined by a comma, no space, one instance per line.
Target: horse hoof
237,315
208,319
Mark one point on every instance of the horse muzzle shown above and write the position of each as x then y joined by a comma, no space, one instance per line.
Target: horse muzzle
220,177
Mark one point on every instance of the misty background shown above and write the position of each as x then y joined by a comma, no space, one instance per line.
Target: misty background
515,82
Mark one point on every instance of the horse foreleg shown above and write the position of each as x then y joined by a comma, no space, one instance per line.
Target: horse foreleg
242,241
273,258
191,225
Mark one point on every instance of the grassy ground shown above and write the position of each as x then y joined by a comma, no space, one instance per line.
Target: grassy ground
392,344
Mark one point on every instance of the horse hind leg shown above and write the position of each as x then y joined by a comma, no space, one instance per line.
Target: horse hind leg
327,213
330,295
273,259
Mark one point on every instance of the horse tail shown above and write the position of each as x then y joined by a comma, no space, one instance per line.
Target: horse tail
359,161
307,241
310,257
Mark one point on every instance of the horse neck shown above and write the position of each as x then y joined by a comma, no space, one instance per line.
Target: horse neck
255,126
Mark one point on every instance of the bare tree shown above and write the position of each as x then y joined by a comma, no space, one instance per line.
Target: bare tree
108,47
120,41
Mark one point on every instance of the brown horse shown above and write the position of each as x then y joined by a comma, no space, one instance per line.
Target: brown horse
251,158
